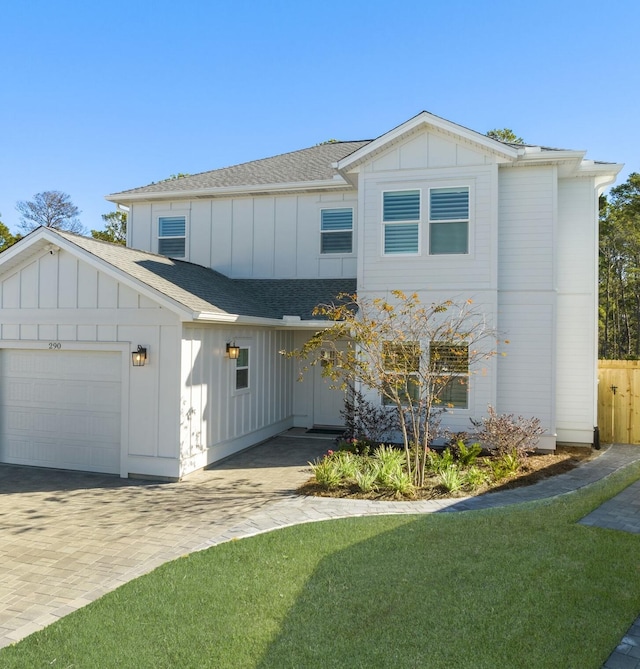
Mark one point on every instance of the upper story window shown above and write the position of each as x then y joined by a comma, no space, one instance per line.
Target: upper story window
336,231
448,220
172,234
401,220
450,364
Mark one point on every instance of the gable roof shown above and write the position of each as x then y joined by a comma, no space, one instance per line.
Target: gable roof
333,165
202,292
306,166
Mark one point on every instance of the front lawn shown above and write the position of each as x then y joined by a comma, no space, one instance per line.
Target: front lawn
522,586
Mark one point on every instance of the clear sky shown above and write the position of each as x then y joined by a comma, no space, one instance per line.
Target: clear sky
98,97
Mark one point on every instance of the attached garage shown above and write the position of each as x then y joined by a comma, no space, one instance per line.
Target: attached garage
61,409
72,311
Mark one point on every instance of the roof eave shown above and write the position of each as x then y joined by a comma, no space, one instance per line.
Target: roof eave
284,323
337,183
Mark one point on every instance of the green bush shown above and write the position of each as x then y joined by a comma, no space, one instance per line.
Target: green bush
326,472
366,477
451,478
474,478
466,455
436,462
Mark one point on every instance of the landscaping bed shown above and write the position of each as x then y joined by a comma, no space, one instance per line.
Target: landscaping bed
530,469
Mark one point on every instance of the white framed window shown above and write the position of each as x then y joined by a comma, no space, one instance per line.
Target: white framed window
449,220
401,368
401,221
336,230
172,236
242,369
450,365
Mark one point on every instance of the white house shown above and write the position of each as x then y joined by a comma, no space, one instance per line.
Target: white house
240,256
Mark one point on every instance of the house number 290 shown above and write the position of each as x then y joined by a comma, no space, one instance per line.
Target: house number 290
55,345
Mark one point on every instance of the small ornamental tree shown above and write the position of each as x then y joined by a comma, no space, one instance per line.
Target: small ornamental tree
416,357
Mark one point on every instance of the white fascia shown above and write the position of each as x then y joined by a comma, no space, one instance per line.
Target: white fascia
250,189
424,119
285,323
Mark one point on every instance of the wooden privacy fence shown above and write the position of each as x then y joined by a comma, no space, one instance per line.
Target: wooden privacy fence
619,401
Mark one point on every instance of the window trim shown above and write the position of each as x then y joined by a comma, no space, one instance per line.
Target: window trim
238,368
467,220
453,375
329,232
172,214
417,223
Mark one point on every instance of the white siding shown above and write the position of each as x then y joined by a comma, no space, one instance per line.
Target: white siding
92,311
215,419
527,228
261,237
526,371
577,310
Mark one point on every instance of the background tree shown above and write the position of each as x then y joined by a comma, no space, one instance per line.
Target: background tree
505,135
6,238
619,272
410,354
51,209
115,229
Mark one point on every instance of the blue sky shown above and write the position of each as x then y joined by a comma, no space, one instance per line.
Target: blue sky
99,97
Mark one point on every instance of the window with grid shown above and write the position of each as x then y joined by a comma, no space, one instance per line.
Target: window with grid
450,365
242,369
336,231
172,233
448,220
401,220
401,367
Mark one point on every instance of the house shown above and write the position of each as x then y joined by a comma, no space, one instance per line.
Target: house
222,270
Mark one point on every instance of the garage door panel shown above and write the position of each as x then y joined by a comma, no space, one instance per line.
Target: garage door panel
61,409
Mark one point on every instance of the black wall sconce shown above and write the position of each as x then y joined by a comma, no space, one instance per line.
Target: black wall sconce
233,351
139,357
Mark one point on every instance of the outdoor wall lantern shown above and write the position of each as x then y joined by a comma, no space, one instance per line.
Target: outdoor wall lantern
233,351
139,357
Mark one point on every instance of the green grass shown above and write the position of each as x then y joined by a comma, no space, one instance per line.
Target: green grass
516,587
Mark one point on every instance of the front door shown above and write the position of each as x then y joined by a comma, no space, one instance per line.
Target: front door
327,402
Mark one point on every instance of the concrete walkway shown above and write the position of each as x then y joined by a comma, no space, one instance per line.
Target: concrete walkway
67,538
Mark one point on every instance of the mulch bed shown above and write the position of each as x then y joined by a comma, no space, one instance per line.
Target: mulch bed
536,468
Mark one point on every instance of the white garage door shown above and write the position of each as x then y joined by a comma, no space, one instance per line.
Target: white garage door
60,409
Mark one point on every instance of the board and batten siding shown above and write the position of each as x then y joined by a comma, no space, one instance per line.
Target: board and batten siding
260,237
60,300
577,367
217,420
423,161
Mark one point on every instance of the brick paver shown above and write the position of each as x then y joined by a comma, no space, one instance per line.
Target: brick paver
67,538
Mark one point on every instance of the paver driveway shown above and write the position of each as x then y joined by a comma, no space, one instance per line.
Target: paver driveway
66,538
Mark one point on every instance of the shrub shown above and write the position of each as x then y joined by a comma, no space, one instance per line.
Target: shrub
474,478
504,465
366,477
504,434
359,446
466,455
450,478
326,472
365,420
400,482
346,463
439,461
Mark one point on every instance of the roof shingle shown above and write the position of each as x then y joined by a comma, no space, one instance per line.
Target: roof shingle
312,164
200,289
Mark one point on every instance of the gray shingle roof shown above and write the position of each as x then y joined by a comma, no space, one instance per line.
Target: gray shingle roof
312,164
201,289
